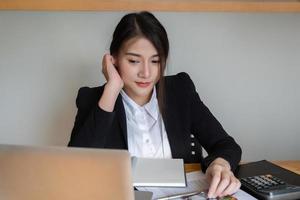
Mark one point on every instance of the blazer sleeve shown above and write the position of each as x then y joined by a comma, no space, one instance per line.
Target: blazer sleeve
209,131
92,124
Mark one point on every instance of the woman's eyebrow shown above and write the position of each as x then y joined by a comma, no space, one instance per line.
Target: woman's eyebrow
138,55
132,54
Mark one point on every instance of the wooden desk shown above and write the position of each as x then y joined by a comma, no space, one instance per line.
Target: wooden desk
155,5
292,165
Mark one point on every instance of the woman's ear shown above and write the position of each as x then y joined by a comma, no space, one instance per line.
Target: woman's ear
114,61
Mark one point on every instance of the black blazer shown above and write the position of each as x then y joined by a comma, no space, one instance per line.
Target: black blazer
188,122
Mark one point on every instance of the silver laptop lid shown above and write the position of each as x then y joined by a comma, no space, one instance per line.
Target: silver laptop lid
35,173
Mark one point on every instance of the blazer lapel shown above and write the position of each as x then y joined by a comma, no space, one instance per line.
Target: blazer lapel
121,118
173,128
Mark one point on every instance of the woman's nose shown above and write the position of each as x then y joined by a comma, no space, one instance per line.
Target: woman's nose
145,71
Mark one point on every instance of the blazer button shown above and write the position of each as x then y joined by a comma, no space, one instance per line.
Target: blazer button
193,152
192,135
192,144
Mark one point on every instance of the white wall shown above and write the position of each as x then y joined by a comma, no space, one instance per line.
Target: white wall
244,65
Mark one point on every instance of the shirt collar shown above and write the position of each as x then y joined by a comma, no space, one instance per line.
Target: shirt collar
151,107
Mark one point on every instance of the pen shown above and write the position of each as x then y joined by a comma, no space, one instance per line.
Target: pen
183,195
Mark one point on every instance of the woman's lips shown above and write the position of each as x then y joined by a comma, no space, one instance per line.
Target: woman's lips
143,84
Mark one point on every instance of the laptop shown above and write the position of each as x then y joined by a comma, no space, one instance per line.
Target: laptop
35,173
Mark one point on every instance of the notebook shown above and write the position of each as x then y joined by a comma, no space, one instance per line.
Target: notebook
61,173
158,172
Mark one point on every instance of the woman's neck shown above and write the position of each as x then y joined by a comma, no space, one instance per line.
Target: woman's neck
140,100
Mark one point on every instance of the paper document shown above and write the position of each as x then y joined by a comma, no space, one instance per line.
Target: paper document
196,181
158,172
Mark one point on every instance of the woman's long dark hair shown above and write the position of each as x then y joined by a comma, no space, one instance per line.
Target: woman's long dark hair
144,24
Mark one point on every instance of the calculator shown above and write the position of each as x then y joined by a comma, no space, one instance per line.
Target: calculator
270,187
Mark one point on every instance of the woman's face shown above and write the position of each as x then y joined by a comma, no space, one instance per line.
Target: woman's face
139,66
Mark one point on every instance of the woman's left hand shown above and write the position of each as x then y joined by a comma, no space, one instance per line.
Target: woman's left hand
222,180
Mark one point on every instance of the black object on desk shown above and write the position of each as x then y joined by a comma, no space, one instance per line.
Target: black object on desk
266,180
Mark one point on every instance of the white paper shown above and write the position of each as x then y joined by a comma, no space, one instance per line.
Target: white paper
196,181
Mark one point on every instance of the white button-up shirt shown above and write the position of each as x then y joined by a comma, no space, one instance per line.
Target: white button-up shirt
146,132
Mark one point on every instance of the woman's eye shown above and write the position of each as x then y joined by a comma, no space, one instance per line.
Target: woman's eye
155,61
133,61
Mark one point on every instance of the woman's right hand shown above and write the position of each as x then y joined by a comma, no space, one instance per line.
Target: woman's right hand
113,86
112,76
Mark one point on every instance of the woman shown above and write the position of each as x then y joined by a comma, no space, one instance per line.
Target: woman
151,115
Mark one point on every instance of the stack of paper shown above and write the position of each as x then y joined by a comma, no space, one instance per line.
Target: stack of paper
196,181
